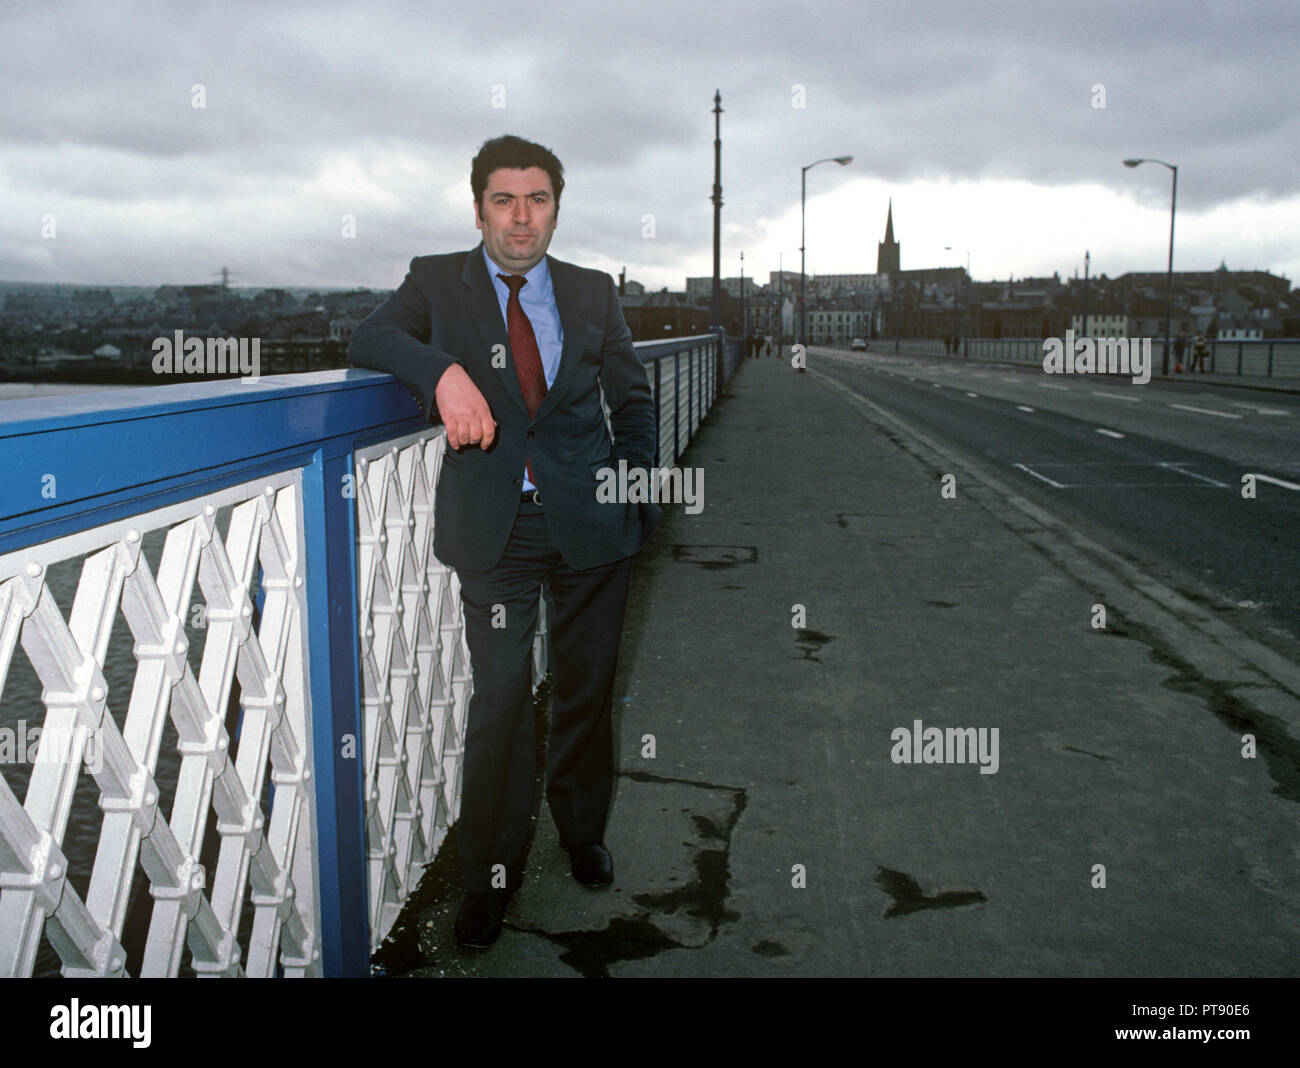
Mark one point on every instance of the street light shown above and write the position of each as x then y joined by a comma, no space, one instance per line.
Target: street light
1169,286
803,196
965,326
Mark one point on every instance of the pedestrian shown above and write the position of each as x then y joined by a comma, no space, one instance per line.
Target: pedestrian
1199,352
517,507
1180,349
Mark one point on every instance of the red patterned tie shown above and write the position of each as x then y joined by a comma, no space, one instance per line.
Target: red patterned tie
523,346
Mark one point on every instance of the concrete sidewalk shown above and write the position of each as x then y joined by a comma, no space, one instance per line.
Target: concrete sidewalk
829,595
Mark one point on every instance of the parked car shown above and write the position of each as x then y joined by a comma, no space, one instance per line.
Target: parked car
858,345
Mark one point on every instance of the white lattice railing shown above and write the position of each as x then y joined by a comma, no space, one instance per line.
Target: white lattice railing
416,681
263,858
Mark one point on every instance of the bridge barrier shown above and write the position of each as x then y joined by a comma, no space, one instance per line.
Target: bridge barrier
233,676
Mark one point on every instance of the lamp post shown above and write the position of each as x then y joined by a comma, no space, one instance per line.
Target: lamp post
1087,263
955,334
744,307
965,332
803,198
1169,286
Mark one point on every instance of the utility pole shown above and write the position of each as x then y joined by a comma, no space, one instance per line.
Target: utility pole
1087,261
716,324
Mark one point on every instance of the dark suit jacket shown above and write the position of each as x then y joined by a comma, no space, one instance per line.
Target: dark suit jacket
446,311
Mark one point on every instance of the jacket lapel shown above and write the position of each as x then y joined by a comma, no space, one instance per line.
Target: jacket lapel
571,302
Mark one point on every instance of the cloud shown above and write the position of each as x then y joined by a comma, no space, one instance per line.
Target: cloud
984,117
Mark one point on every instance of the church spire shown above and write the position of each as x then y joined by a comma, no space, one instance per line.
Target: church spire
888,259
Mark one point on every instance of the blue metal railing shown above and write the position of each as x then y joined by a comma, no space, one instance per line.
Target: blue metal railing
74,463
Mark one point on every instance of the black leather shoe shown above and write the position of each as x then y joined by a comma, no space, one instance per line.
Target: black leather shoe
478,923
591,864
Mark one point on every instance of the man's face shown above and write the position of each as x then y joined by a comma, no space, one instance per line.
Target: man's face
517,217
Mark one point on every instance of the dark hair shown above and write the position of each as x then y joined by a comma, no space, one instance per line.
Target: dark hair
517,154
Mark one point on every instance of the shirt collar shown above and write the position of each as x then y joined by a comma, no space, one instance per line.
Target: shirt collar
539,276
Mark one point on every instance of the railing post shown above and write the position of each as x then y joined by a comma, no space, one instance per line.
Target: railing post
659,400
1270,359
1239,347
330,537
690,392
677,402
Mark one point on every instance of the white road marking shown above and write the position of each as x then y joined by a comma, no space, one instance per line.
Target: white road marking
1108,433
1259,408
1192,474
1025,408
1116,396
1048,385
1276,481
1031,471
1207,411
972,394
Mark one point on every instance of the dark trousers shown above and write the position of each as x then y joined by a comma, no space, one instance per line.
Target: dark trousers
499,759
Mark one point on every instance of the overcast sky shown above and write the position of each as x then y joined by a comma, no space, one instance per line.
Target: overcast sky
981,120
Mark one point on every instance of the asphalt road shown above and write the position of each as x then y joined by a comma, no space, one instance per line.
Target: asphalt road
1154,471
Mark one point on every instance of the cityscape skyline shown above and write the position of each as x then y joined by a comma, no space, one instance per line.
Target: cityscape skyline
150,144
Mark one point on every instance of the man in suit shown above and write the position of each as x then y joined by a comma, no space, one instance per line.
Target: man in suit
512,350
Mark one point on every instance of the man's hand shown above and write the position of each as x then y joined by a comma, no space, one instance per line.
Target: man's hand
464,411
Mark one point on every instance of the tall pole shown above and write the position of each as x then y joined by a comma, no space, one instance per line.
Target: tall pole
1169,282
1087,261
803,308
965,326
717,211
780,301
949,248
803,200
744,307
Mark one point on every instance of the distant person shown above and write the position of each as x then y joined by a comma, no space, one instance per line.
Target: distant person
956,346
1180,349
1199,352
749,345
947,345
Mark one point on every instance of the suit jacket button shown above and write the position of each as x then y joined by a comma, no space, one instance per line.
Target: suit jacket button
519,482
530,434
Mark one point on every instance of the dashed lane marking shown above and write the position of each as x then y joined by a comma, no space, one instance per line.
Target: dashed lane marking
1108,433
1207,411
1044,478
1276,481
1171,466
